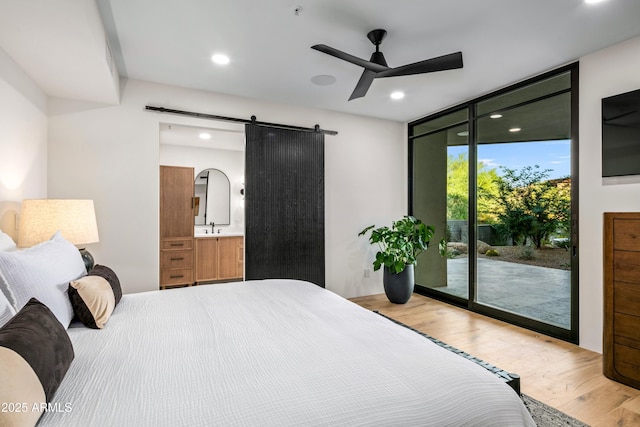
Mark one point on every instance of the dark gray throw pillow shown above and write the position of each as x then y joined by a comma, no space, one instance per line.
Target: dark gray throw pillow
39,338
110,276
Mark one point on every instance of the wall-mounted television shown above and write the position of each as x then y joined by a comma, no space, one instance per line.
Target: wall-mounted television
621,135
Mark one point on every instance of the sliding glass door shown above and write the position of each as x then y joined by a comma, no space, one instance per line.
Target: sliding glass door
441,198
496,178
524,137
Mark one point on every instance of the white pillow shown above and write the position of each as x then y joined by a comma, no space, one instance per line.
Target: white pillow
43,272
6,242
6,310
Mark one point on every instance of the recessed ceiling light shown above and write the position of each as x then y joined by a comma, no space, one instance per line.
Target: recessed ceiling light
205,135
220,59
397,95
515,130
323,80
593,1
495,116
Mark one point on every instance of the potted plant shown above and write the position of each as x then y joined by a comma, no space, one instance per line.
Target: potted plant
399,247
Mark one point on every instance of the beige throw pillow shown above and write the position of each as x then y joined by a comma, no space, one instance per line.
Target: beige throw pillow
96,302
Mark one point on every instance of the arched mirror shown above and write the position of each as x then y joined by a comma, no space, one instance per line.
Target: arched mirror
212,196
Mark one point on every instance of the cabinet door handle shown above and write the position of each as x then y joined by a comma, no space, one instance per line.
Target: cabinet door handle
177,259
177,244
177,277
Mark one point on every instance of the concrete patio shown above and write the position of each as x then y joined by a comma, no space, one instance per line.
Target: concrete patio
537,292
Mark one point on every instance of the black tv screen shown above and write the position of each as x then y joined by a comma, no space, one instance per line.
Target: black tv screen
621,134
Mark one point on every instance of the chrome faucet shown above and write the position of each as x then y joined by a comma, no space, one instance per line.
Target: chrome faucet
213,224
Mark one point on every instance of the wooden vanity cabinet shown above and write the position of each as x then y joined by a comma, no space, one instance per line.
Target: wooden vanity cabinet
228,257
176,262
206,259
176,226
219,258
621,350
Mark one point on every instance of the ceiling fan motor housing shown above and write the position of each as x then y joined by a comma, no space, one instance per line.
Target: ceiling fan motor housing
376,36
378,58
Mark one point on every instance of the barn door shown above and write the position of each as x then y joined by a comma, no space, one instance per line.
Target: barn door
284,204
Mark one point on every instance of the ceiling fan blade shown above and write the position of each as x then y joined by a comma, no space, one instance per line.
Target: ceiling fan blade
363,84
441,63
368,65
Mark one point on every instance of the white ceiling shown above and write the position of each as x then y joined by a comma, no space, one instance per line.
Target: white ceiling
171,42
61,45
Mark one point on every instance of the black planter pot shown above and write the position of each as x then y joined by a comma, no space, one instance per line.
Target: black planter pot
399,287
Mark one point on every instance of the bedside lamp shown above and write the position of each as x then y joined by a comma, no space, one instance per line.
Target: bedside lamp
75,219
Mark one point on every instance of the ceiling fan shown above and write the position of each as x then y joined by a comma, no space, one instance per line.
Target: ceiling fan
377,65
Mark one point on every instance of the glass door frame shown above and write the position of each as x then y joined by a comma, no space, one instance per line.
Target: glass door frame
471,303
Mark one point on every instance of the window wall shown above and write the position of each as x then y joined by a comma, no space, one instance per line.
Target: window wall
496,177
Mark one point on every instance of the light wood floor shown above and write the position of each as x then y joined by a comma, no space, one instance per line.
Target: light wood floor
552,371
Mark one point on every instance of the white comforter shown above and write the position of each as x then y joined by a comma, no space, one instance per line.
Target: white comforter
269,353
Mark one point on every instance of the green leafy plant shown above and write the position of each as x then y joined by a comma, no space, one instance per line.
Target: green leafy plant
400,244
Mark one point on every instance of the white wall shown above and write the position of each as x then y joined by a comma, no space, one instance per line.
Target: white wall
231,162
111,154
607,72
23,142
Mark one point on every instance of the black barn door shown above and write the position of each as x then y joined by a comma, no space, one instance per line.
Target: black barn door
284,204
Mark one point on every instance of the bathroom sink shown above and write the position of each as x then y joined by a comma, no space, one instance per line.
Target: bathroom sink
221,233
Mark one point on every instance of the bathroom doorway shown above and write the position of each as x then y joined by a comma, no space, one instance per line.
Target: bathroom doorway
219,148
215,155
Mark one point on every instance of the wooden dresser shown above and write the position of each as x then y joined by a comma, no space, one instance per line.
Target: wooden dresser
176,226
621,352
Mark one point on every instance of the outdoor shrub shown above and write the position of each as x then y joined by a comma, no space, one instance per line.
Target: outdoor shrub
531,205
452,252
527,253
561,243
492,252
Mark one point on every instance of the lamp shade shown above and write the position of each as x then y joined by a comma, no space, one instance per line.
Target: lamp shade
41,218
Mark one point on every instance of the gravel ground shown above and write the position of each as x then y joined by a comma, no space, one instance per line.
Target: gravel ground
544,257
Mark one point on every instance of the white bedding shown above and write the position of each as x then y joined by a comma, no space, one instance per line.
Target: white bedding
269,353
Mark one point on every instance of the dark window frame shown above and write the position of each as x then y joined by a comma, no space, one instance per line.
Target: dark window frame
572,334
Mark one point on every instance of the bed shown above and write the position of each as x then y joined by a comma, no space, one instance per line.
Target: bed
268,353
